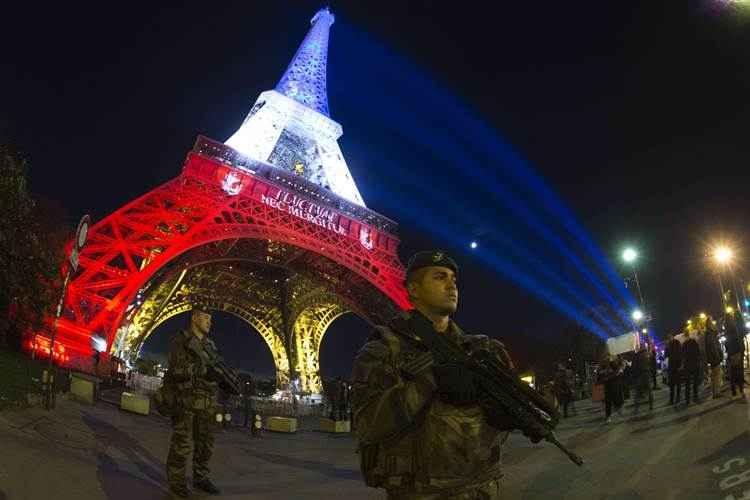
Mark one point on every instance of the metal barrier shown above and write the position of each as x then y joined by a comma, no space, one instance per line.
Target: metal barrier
142,384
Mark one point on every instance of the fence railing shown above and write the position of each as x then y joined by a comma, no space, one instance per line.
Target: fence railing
142,384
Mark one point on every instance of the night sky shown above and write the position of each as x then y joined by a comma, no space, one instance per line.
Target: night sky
635,114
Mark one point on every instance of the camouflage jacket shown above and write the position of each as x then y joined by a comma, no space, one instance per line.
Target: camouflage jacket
188,373
409,438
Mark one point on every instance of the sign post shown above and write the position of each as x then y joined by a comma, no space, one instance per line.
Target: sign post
48,379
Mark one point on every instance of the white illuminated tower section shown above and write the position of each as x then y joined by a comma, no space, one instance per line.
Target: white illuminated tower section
290,126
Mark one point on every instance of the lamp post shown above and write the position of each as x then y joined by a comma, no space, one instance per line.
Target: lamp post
637,315
48,378
630,255
723,256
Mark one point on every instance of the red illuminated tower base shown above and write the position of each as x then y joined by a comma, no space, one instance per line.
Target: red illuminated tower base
241,236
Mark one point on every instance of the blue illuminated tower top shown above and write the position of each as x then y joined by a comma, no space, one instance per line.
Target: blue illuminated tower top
290,127
305,78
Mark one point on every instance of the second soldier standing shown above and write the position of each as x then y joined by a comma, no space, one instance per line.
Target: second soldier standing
197,402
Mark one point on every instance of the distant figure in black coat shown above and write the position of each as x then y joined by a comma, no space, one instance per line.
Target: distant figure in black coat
691,361
674,355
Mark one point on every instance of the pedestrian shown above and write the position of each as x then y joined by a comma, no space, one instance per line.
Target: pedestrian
197,403
335,395
691,358
563,391
424,434
735,346
642,378
714,357
652,363
674,370
627,376
611,376
572,380
343,400
248,402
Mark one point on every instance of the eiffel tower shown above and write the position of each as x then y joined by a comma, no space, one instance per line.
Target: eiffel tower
269,227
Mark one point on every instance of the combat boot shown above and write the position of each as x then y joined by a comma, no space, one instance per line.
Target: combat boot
179,491
207,486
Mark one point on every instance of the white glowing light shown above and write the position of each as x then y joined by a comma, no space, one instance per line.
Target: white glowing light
723,254
290,126
473,245
98,343
629,255
637,315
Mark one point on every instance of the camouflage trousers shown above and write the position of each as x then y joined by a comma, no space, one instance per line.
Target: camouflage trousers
196,426
487,491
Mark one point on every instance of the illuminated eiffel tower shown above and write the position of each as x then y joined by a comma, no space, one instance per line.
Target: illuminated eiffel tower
290,127
269,227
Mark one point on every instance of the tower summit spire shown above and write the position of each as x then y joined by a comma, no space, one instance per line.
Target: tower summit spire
290,127
305,78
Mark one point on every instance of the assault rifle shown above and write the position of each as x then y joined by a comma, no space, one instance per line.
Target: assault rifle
499,388
218,371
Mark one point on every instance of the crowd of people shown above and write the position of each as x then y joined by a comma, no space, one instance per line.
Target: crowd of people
624,375
695,358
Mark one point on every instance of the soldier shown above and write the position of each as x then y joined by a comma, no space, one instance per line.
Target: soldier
197,402
248,404
343,388
424,435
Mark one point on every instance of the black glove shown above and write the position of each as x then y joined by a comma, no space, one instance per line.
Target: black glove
499,419
455,384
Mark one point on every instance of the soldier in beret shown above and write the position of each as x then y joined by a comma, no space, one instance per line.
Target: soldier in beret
425,435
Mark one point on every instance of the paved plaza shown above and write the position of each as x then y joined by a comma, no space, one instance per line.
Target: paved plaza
100,452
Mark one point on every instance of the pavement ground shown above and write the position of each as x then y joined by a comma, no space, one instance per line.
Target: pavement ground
100,452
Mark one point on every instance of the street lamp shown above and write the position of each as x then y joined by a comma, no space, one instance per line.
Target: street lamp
723,254
637,315
630,255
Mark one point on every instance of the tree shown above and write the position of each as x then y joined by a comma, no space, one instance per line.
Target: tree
30,252
147,366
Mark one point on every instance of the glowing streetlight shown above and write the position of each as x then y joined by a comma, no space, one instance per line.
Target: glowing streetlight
723,254
637,315
473,245
629,255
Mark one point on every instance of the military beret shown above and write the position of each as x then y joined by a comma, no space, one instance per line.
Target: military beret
429,258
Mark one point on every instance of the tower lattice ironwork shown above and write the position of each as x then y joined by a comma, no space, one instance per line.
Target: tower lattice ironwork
255,235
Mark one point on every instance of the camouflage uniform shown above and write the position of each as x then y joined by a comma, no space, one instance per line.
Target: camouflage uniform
195,420
412,443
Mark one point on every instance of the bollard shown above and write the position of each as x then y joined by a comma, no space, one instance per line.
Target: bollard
257,426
